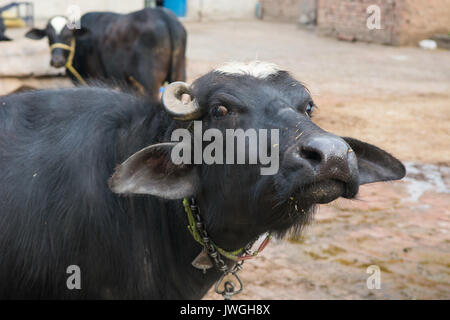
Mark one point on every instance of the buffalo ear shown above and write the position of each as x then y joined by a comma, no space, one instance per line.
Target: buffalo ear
36,34
151,171
375,164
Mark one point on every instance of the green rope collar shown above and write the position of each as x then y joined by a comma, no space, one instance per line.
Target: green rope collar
232,255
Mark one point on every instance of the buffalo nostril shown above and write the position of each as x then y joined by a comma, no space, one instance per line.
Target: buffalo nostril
311,154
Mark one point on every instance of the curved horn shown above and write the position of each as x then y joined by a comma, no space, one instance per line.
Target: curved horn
177,101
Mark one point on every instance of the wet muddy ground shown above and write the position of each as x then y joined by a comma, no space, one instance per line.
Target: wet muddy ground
396,98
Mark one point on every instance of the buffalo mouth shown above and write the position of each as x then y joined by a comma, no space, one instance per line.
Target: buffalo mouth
297,210
323,192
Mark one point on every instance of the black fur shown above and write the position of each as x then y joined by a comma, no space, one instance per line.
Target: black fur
60,147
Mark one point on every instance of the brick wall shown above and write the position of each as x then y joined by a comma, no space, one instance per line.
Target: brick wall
403,22
347,19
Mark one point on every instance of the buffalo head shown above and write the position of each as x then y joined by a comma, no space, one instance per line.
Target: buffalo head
60,38
314,166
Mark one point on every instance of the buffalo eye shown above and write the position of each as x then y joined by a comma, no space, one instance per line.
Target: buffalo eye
309,108
219,111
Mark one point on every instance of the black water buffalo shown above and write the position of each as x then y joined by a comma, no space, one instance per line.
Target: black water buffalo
2,31
143,49
88,180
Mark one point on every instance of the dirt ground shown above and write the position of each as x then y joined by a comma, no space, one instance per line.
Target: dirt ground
395,97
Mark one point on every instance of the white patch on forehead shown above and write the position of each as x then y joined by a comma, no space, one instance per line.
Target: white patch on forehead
58,23
257,69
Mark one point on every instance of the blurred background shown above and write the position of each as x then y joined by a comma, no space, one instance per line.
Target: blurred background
372,76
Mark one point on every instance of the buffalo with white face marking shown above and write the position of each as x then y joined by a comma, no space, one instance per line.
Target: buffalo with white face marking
54,33
142,49
2,31
61,160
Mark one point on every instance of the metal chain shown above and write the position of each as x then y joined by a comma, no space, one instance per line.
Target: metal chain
229,286
209,246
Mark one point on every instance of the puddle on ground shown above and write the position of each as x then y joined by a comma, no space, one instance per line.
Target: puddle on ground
425,177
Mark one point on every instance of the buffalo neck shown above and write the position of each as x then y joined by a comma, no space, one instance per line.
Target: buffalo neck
169,244
162,239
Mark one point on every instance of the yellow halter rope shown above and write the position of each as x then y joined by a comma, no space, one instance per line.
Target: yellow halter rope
68,65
